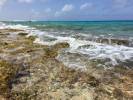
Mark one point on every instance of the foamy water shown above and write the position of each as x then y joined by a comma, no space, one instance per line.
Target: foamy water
5,26
82,44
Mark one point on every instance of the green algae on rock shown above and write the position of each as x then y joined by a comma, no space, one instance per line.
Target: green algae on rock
62,45
32,72
32,38
7,74
52,51
23,34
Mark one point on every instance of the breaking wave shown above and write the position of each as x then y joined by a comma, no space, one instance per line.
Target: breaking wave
111,51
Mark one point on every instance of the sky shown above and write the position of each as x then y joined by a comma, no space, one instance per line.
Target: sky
66,10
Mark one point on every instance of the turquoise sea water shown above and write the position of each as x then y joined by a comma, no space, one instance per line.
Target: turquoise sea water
114,28
110,42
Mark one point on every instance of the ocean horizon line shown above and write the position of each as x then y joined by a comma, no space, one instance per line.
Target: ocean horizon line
66,20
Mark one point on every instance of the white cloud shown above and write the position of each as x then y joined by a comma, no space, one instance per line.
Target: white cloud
48,10
34,12
121,3
86,6
58,13
2,2
67,8
25,1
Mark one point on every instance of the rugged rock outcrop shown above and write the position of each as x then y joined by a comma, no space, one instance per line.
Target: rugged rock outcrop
31,71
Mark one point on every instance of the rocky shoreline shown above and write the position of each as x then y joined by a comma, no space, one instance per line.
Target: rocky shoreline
30,71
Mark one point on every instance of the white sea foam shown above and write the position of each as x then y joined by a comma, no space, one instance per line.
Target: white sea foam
21,27
2,25
93,50
115,53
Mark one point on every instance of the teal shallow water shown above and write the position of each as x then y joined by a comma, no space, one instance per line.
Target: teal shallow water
107,28
95,40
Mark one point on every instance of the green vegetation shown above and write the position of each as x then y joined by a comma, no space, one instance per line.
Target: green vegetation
7,74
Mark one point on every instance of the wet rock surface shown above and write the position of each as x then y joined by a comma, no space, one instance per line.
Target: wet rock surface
31,71
114,41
